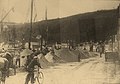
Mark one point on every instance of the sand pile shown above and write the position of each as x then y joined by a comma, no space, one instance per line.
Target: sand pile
72,55
57,59
62,56
83,54
66,55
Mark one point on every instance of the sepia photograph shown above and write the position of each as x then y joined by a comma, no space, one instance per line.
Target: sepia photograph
59,41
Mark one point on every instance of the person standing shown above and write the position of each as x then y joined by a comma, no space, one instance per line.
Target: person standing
18,60
79,57
101,49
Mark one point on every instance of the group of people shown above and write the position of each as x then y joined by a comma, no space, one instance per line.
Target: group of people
93,47
31,62
5,65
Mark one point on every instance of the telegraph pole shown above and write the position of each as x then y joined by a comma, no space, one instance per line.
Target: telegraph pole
31,25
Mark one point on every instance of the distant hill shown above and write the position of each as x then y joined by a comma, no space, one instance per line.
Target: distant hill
96,26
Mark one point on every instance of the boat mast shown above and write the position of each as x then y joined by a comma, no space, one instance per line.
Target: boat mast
46,19
31,25
118,33
46,25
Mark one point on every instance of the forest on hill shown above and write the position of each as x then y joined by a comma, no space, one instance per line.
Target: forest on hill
95,26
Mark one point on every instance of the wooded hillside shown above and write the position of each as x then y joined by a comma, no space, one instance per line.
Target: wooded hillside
96,26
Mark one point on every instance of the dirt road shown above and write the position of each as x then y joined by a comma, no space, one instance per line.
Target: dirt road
90,71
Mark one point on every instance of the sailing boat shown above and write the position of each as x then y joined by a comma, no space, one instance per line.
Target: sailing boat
42,41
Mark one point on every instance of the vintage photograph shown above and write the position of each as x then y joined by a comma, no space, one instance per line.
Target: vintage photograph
59,41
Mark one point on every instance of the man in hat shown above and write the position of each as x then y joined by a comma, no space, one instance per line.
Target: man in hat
30,69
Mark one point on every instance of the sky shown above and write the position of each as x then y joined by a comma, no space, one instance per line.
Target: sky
55,8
